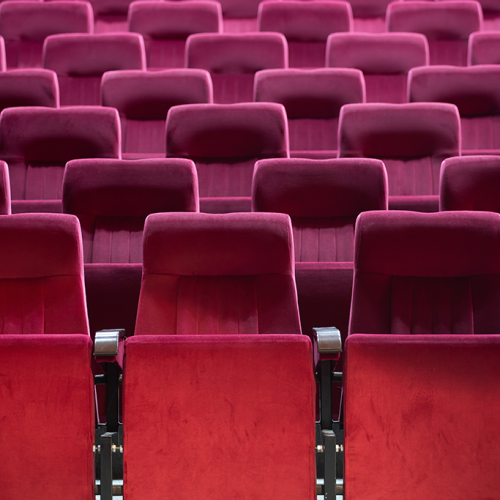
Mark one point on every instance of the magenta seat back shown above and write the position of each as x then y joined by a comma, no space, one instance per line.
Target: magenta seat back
384,58
3,56
112,199
420,273
306,26
447,40
25,25
369,8
5,208
166,25
484,48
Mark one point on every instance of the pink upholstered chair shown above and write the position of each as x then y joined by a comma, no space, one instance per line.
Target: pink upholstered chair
240,16
110,15
233,59
411,139
384,58
5,208
491,14
475,90
447,26
165,27
143,99
37,142
225,141
306,26
25,24
369,15
484,48
312,100
81,59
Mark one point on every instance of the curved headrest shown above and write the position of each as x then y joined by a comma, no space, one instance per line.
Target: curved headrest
174,20
474,90
377,53
453,20
40,245
250,129
484,48
316,93
126,188
200,244
236,52
470,183
59,134
319,188
399,130
34,21
5,208
77,54
442,244
148,95
305,21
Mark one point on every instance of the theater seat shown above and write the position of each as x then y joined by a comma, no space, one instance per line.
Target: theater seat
484,48
369,15
110,15
5,208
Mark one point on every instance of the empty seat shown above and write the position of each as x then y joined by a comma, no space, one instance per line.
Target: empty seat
369,15
384,58
484,48
225,141
233,59
411,139
80,61
474,90
312,100
25,24
165,27
37,142
240,16
306,26
447,40
110,15
143,99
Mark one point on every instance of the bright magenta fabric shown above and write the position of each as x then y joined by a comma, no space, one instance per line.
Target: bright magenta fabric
484,48
5,205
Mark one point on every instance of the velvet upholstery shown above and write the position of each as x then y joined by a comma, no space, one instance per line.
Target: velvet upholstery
312,100
110,15
306,26
484,48
165,27
411,139
143,99
420,273
406,402
81,59
384,58
3,57
46,383
225,141
228,416
218,274
5,208
25,24
447,40
475,90
37,142
233,58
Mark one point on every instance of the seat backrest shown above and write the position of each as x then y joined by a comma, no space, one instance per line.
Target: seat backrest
112,199
312,100
418,273
218,274
369,8
484,48
5,208
323,199
3,57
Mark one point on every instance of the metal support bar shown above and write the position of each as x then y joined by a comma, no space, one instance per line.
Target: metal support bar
326,395
330,442
112,375
107,465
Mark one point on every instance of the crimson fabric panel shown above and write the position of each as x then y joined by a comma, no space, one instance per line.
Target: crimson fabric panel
233,59
384,58
418,273
81,59
411,139
25,24
484,48
165,27
312,100
306,26
5,208
407,400
143,99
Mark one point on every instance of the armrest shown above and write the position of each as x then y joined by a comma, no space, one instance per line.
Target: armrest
328,343
109,346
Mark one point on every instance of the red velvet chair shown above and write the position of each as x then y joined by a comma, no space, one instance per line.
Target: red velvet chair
240,16
491,14
411,139
45,356
369,15
225,141
110,15
384,58
306,26
484,48
81,59
474,90
447,26
25,24
165,27
233,59
143,99
37,142
312,100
